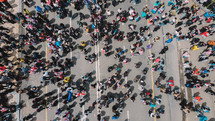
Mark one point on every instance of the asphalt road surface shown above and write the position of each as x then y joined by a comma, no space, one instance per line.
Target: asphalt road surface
133,111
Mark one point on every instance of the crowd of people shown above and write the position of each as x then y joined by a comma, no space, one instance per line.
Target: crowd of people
61,40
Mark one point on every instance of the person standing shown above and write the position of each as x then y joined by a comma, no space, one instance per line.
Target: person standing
108,12
164,50
197,98
5,2
27,3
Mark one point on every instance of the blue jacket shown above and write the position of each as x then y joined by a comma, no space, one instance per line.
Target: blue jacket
39,9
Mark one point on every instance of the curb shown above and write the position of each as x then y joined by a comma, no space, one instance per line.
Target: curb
203,8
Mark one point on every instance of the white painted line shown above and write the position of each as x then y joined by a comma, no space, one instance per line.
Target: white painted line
124,49
99,66
70,22
99,78
20,114
128,115
126,80
58,98
178,43
84,116
83,109
71,54
97,85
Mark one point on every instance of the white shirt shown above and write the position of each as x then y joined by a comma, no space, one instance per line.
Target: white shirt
119,10
108,12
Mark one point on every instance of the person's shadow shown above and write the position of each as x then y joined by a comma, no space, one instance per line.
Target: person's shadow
11,1
212,119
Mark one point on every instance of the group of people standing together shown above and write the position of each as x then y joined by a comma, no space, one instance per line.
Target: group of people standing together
61,40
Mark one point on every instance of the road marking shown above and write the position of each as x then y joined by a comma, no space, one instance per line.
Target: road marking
58,97
83,109
97,76
124,49
84,116
46,85
126,80
97,85
128,115
178,43
17,55
70,22
150,53
99,94
71,54
97,69
46,106
98,65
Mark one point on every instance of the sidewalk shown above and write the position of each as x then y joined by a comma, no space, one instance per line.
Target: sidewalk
14,97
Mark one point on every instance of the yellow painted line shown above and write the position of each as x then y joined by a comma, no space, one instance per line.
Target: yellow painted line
46,85
152,79
46,52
